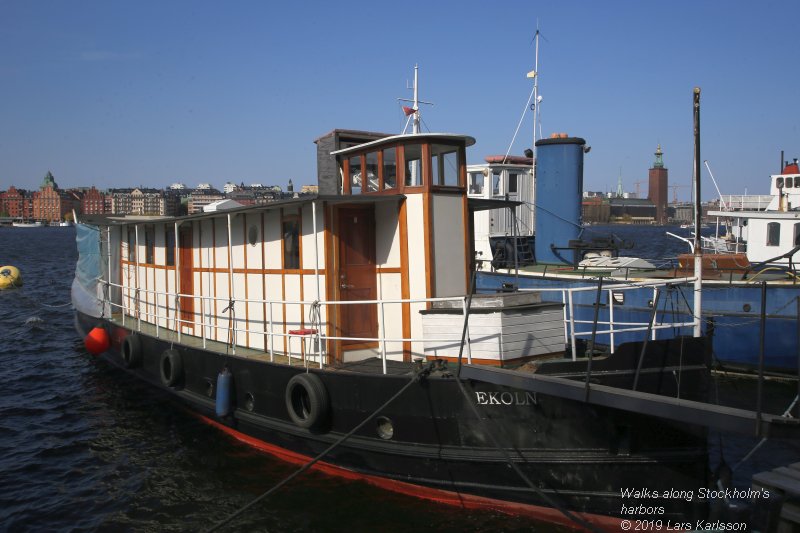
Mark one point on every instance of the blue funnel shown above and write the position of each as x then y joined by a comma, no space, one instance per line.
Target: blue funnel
559,191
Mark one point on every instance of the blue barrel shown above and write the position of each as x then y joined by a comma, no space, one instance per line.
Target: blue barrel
224,392
559,192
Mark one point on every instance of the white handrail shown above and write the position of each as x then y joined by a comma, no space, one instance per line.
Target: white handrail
571,323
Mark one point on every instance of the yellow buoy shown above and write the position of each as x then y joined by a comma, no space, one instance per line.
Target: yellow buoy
10,277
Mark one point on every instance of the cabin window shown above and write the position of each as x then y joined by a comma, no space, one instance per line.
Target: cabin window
372,172
390,168
132,244
355,175
444,165
476,182
779,183
512,182
149,244
291,243
797,234
169,245
789,183
252,235
496,183
773,234
413,162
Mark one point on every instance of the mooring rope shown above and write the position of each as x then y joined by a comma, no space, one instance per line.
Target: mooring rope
417,376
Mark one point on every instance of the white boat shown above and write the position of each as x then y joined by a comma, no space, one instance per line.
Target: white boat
27,224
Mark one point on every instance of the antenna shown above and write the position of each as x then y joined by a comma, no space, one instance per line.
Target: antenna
413,112
721,200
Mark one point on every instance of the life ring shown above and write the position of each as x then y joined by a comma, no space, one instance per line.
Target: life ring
131,351
307,401
171,367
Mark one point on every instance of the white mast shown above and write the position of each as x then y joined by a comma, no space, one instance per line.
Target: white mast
536,99
415,128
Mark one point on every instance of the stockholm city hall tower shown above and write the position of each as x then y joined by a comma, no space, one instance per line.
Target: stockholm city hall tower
657,189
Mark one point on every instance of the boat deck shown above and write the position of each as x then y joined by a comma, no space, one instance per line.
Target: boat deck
372,365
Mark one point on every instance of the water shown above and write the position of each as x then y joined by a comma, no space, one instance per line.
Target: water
84,447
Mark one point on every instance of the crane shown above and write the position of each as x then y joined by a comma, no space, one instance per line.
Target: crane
675,192
637,183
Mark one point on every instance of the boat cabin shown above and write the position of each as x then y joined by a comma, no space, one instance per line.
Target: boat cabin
503,178
344,274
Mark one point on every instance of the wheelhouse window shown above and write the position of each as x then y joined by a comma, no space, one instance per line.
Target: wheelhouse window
444,165
512,182
789,183
291,243
476,182
355,175
149,244
773,234
496,189
372,172
413,165
797,234
390,168
169,245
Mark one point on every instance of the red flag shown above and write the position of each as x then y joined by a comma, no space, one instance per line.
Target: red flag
409,110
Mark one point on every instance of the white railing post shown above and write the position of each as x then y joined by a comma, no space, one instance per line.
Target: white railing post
383,336
572,326
203,319
611,317
271,335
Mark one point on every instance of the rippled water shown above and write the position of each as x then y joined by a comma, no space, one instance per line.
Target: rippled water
84,447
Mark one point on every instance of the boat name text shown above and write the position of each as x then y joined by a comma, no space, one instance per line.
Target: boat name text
505,398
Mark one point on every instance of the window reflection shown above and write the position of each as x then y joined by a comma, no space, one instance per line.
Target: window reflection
372,172
390,168
413,164
355,175
444,165
291,243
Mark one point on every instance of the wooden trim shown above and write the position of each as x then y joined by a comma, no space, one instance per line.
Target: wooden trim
346,188
148,265
328,240
430,258
405,292
388,270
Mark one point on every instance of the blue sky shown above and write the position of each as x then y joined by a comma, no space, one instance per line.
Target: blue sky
112,93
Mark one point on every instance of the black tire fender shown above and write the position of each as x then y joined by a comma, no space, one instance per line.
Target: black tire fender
131,351
171,366
307,401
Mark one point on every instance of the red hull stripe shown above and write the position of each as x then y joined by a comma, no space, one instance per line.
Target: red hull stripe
466,501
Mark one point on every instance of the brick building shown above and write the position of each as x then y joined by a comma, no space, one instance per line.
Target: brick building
16,203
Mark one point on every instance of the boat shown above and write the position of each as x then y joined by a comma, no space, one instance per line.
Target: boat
27,224
544,245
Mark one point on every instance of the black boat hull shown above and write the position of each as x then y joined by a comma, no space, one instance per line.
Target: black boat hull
578,455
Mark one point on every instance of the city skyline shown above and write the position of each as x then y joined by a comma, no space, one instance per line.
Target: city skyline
151,94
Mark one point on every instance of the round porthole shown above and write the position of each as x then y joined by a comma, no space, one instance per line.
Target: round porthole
249,402
384,427
746,308
252,235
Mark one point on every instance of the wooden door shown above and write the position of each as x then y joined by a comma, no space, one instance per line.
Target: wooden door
356,275
185,250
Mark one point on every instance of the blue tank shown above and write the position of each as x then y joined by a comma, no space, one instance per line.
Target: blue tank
559,191
224,393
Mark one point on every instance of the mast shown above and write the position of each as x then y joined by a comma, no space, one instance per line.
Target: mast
415,126
698,213
535,75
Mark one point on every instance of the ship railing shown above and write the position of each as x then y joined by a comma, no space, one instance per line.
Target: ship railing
158,311
614,296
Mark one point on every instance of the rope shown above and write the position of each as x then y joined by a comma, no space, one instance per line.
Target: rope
514,138
417,376
231,322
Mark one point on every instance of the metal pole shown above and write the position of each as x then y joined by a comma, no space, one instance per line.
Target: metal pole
316,279
136,280
646,338
798,355
761,342
698,247
594,333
